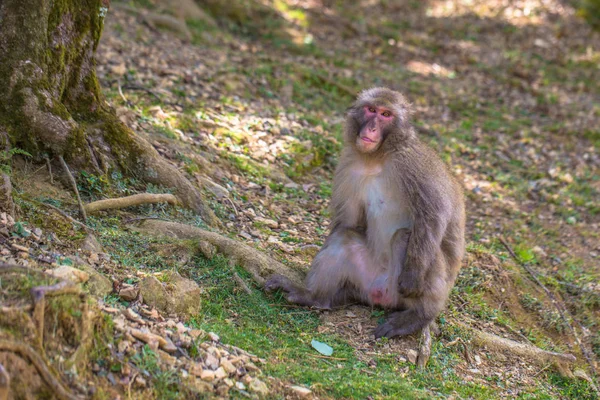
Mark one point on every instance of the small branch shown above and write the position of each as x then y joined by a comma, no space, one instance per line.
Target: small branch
49,166
425,349
562,310
74,185
134,200
241,282
38,362
121,93
143,89
232,205
327,357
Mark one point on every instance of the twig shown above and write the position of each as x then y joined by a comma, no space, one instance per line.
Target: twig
134,200
74,185
38,362
49,166
241,282
232,205
67,216
121,93
559,307
425,349
327,357
143,89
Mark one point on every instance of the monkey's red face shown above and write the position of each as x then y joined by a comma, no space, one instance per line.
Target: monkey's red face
371,133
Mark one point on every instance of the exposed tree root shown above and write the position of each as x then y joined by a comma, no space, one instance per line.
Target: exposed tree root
134,200
529,352
74,186
259,265
26,351
34,325
425,348
560,307
38,294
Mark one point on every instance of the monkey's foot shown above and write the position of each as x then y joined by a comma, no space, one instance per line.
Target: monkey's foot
292,292
400,323
277,281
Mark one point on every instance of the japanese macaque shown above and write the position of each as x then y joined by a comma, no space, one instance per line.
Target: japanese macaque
397,235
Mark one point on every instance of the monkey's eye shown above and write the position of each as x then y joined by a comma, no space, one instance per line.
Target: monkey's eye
372,109
386,114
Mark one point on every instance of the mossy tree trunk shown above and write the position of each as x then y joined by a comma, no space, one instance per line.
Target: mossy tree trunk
51,103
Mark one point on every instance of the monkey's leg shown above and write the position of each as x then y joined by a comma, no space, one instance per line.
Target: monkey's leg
343,271
293,293
339,273
416,313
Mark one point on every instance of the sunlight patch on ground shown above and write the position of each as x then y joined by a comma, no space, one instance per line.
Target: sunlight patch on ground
424,68
519,13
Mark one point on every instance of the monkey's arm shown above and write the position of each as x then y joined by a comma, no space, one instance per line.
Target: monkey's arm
431,214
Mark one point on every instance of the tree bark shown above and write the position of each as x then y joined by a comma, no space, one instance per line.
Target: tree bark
51,104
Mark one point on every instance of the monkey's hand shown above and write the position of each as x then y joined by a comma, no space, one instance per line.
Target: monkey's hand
401,323
410,282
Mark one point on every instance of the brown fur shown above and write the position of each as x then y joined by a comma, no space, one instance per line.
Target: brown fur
379,195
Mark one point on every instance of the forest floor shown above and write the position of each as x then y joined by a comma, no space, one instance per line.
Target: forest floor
507,92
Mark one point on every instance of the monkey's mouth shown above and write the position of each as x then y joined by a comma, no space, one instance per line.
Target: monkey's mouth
366,139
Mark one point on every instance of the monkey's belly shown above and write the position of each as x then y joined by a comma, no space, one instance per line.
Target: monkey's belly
386,212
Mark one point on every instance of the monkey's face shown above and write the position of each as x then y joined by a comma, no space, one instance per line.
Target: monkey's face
374,121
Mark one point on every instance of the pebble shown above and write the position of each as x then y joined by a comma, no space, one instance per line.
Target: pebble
213,336
300,391
207,375
412,356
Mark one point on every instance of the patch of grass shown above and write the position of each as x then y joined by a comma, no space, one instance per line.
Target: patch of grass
258,323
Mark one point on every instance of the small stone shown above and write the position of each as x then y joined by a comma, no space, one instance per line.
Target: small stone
228,366
251,367
229,382
213,336
194,333
92,245
181,328
412,356
69,273
168,346
259,387
207,375
123,346
220,373
132,316
539,251
268,222
216,189
240,386
181,296
211,362
196,370
477,359
300,391
139,381
129,293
